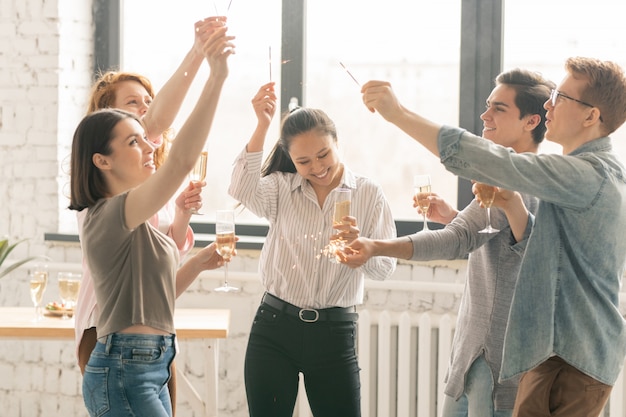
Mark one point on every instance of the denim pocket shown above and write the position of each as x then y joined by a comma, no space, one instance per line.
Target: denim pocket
95,390
144,355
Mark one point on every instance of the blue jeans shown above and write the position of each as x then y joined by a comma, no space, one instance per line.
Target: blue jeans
127,375
477,400
280,346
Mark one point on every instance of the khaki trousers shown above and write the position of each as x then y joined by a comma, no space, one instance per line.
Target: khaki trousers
556,388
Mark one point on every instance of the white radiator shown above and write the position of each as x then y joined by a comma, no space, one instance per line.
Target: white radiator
404,358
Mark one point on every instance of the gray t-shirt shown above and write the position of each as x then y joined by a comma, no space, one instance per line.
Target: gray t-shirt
493,266
134,271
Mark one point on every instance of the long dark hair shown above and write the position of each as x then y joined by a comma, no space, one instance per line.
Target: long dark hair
298,121
93,135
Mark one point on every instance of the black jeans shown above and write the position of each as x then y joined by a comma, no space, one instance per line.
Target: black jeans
281,345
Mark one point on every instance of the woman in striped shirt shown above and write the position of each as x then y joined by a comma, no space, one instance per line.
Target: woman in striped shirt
307,318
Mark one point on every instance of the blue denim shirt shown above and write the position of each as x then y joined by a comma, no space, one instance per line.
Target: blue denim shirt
567,294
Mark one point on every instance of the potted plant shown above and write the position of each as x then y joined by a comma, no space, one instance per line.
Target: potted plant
5,250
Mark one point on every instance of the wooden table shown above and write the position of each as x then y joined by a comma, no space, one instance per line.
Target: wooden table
208,325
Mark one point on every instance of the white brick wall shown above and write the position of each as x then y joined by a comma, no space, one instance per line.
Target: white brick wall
45,56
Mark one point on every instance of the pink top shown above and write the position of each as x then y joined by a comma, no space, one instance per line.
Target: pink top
86,311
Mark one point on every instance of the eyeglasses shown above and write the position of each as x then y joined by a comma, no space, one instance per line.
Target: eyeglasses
554,95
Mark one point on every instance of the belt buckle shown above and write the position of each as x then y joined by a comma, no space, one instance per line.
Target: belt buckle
304,310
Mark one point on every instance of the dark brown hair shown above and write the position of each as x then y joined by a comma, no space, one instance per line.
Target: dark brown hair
296,122
93,135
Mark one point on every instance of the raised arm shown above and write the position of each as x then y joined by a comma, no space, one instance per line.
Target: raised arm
379,97
264,104
145,200
168,100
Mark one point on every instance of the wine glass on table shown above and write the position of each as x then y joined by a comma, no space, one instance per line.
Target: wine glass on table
38,280
69,285
487,194
225,241
198,173
422,186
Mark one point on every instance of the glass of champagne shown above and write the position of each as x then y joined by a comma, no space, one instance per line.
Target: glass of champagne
487,194
198,173
69,284
343,199
38,282
422,186
225,240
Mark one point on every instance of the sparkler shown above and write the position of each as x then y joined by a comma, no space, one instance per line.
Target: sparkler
217,13
350,74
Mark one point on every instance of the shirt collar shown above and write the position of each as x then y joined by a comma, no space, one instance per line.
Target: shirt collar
603,144
348,180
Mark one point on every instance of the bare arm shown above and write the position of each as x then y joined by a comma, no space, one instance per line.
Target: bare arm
207,258
264,104
378,96
168,100
145,200
190,197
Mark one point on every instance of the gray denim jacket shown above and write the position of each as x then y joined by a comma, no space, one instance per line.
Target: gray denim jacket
567,294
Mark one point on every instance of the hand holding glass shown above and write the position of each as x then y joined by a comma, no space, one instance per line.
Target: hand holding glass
225,240
69,285
38,281
342,198
421,184
198,173
487,194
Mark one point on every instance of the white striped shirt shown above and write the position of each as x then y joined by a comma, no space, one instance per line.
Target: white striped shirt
292,265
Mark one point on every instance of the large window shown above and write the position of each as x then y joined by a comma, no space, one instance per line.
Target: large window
414,45
424,73
157,37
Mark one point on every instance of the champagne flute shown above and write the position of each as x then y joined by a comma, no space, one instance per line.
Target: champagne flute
198,173
38,281
342,198
69,285
225,240
422,186
487,194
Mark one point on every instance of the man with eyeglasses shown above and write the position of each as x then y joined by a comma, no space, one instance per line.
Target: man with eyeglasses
565,335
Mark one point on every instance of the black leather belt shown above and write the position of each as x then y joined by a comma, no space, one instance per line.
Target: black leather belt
311,315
